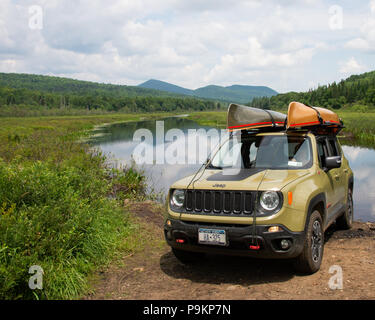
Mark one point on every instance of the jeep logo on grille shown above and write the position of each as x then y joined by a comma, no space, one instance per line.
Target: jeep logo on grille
217,185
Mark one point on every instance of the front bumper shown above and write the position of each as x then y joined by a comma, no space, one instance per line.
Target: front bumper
239,238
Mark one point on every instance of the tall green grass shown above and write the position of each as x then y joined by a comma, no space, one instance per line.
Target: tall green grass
59,218
60,207
359,127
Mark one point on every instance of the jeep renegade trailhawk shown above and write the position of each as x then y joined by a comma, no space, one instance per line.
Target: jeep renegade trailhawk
274,198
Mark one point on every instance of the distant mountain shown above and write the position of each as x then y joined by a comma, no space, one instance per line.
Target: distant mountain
165,86
234,93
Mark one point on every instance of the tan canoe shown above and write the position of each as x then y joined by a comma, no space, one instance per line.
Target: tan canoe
244,118
300,115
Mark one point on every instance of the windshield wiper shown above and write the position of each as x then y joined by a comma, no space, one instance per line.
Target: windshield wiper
210,166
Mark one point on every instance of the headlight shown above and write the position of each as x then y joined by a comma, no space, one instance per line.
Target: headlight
177,198
269,200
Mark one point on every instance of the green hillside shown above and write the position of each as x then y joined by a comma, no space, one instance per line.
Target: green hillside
356,93
235,93
165,86
25,94
66,85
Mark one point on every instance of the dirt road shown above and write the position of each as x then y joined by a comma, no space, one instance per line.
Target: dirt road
154,273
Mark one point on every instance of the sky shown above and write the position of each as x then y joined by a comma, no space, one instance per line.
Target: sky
288,45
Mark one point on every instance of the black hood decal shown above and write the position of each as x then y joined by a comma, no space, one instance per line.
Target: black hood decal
241,174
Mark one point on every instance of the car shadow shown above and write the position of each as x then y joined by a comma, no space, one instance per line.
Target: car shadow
330,232
218,269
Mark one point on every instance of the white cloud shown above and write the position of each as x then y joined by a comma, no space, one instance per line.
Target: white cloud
255,58
372,6
190,43
351,66
358,43
366,40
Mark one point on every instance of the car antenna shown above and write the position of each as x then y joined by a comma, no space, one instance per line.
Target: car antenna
205,166
254,239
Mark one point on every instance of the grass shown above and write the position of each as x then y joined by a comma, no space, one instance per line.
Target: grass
361,126
60,207
216,119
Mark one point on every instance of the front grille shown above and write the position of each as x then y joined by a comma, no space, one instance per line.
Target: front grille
214,202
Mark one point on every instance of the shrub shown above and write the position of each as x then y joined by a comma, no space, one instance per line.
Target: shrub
58,217
360,108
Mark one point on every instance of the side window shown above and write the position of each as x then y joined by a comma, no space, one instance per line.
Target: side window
253,152
248,153
335,150
322,151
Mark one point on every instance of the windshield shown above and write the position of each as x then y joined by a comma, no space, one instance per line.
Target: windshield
266,152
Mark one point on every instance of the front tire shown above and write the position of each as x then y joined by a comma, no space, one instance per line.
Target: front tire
346,220
310,259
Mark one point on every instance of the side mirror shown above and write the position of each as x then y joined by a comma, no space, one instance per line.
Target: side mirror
333,162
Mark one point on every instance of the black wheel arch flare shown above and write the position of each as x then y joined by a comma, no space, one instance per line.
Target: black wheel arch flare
318,200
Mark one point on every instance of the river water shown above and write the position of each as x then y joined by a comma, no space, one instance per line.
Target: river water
116,141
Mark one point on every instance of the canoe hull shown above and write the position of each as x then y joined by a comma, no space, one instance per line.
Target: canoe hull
300,115
244,118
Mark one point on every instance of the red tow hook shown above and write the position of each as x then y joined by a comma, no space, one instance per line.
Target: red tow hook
257,247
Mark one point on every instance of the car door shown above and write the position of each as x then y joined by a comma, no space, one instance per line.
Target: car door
326,176
337,173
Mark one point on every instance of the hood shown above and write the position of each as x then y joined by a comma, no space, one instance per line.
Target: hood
249,179
278,179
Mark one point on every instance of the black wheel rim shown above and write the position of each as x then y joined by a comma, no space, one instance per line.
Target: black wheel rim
316,241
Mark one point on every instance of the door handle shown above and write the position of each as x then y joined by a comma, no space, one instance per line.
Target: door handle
346,170
337,177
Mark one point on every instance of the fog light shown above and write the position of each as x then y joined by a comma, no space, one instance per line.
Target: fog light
169,223
274,229
180,240
285,244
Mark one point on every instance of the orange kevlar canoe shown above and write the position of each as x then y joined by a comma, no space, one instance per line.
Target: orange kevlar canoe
300,115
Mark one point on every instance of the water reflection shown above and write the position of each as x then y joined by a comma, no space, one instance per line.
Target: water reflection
362,162
117,140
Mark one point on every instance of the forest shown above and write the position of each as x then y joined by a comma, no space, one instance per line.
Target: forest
356,93
37,95
23,94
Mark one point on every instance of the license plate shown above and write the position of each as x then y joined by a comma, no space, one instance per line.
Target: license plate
212,236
